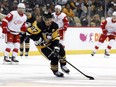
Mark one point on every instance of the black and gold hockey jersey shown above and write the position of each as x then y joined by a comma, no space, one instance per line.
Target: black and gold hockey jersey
44,35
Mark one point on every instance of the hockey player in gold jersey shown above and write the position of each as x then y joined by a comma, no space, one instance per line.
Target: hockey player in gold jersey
24,40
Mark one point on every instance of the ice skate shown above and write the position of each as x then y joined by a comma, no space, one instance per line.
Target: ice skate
58,74
106,54
93,53
14,61
21,54
65,69
26,54
6,60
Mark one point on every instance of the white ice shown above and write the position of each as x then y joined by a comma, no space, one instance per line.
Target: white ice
35,71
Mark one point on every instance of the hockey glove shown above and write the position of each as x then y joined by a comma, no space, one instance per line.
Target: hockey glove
56,50
104,31
4,30
114,33
28,24
65,28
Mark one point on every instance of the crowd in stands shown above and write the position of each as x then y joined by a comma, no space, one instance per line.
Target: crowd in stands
79,12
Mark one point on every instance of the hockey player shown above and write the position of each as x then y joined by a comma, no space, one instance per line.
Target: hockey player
61,19
24,39
109,30
46,37
12,25
24,44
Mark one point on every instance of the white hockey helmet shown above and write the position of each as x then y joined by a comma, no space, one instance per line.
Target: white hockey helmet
114,13
58,7
21,5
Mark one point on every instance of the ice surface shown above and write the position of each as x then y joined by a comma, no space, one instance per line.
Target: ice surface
35,71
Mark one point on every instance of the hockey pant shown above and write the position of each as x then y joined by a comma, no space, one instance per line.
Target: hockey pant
46,52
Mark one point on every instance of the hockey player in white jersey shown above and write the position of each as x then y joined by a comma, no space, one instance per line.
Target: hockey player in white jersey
61,19
108,27
12,25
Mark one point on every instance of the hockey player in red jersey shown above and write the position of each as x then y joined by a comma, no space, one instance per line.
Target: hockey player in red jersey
12,25
61,19
108,27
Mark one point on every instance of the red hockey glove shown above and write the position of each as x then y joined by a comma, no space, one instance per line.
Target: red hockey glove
24,27
4,30
65,28
114,33
104,31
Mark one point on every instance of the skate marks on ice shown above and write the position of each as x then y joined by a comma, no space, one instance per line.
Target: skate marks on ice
35,71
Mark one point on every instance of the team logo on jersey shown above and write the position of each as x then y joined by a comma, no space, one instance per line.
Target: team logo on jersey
17,22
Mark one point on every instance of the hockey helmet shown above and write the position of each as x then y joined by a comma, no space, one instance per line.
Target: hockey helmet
21,5
47,15
58,7
114,13
47,18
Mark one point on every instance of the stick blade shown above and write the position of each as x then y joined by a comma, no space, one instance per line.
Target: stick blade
90,77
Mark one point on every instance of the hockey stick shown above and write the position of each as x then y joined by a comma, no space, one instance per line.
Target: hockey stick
90,77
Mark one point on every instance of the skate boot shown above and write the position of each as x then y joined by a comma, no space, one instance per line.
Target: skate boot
58,74
21,54
93,53
106,54
26,54
14,61
6,60
65,69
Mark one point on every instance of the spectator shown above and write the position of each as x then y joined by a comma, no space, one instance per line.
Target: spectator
78,11
70,14
96,20
84,21
5,8
111,10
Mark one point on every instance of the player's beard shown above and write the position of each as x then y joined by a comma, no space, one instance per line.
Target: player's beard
48,23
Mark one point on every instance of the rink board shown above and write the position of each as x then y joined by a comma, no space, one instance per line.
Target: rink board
78,40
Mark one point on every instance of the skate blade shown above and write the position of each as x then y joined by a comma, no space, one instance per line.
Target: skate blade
92,55
106,56
15,63
7,63
65,71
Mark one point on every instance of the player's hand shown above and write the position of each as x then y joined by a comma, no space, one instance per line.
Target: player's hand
104,31
114,33
56,50
65,28
4,30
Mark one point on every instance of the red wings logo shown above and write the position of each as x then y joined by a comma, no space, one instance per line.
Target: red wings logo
17,22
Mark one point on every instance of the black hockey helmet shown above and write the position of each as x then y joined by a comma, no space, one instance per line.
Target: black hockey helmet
47,15
47,18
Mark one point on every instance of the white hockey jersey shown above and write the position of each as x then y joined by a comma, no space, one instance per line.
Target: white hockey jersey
14,26
60,19
110,26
